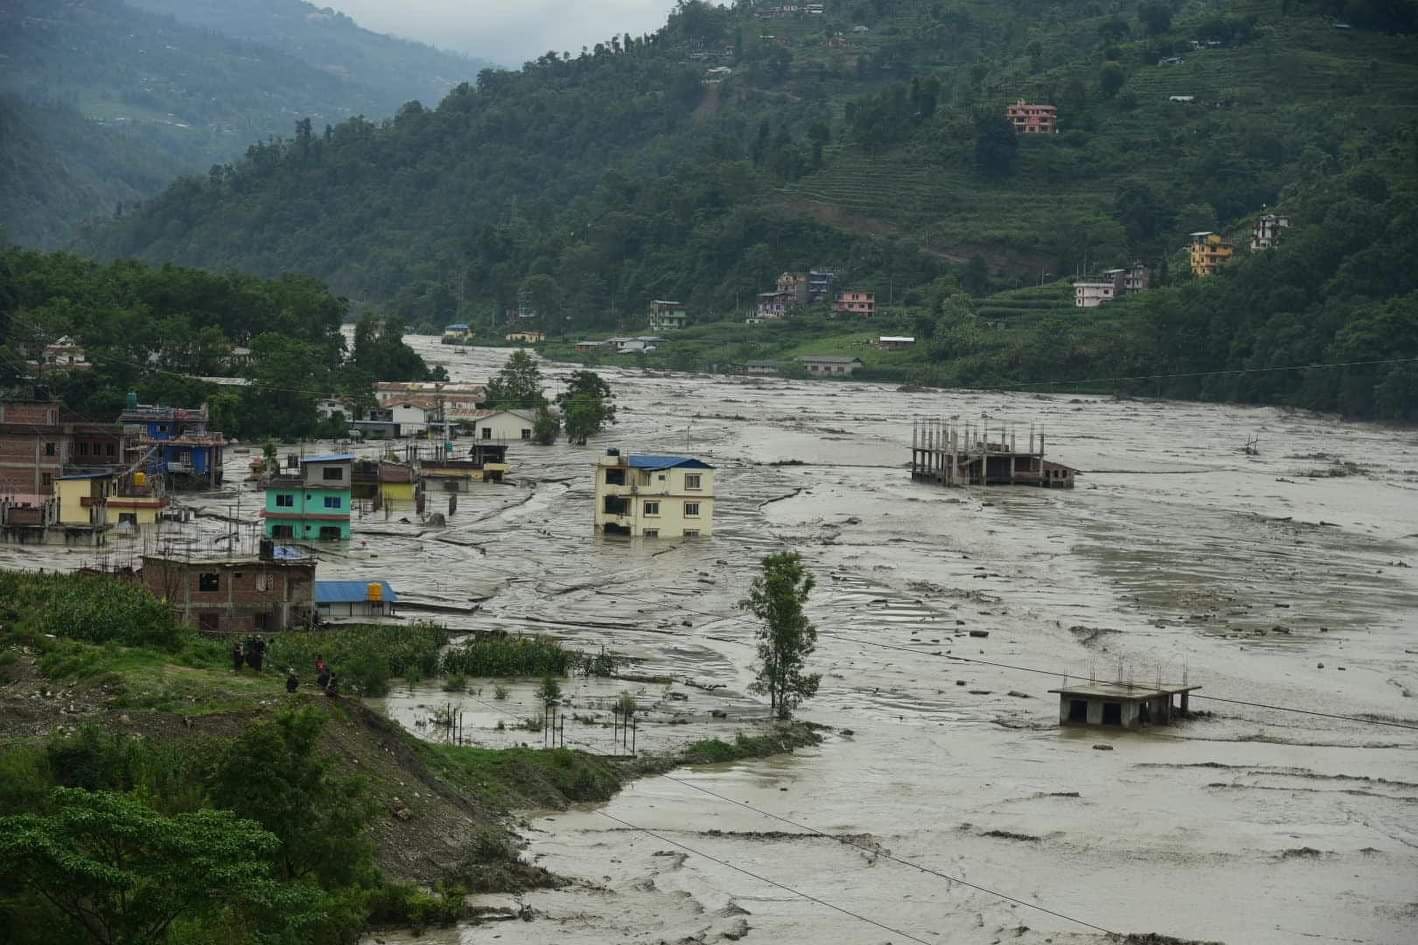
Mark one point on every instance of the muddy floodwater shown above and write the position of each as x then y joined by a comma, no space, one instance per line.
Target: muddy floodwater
1286,578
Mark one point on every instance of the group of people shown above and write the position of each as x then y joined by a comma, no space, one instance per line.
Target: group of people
325,679
251,652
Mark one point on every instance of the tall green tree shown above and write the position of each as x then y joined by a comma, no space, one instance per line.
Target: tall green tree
518,385
118,873
587,406
275,774
786,638
995,145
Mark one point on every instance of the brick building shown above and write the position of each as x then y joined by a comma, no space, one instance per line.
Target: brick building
861,304
235,595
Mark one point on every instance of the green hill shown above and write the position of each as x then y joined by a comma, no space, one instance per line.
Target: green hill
147,97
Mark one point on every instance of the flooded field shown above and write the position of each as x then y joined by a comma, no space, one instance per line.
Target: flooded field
947,805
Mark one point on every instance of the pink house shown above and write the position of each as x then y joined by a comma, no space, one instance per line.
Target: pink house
1029,119
856,303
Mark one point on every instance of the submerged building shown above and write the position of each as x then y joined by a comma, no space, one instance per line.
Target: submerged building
313,504
654,496
1122,705
964,455
174,442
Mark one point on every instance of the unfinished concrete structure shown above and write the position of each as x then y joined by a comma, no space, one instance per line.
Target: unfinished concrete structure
964,455
242,594
1122,705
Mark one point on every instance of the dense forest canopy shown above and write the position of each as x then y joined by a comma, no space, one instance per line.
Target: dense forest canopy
160,331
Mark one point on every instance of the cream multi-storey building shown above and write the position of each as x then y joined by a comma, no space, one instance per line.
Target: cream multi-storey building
654,496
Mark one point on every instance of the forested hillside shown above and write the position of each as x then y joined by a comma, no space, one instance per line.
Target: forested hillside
121,100
625,172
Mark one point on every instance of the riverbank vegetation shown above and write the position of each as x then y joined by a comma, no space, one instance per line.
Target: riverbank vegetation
135,780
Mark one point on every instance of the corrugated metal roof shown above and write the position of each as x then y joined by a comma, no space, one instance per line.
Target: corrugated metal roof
654,461
350,592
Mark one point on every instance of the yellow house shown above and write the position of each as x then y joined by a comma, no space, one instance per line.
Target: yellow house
526,337
95,499
654,496
1209,251
486,462
82,497
396,484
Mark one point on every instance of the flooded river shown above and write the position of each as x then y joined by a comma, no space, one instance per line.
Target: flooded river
947,805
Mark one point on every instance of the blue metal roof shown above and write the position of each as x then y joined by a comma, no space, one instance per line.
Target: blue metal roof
654,461
350,592
329,458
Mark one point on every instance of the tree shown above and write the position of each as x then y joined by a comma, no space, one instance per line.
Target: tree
123,874
995,145
545,427
1156,17
786,637
588,405
1110,79
518,385
274,774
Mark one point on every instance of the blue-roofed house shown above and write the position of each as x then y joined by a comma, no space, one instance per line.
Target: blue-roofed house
335,600
653,495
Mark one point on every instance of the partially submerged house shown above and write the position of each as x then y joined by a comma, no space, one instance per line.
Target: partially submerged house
485,462
965,455
1122,705
654,496
337,600
174,442
313,504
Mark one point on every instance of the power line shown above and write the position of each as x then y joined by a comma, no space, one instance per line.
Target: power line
764,879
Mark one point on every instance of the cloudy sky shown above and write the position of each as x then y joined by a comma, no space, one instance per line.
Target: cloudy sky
507,31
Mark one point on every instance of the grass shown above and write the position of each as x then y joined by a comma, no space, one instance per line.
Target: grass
525,778
509,656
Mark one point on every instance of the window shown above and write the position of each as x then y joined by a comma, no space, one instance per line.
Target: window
692,480
83,448
282,531
109,449
651,533
49,449
487,433
285,500
209,620
260,621
209,581
691,510
526,433
330,533
127,518
652,508
691,533
615,477
333,474
46,480
332,502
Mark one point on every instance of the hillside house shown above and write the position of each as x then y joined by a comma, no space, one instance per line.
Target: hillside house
654,496
66,354
525,337
1265,232
761,368
793,287
819,285
1032,119
38,444
442,402
313,504
667,315
834,365
1209,251
771,305
860,304
248,594
456,333
895,342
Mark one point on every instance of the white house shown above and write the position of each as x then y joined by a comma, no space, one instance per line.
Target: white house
504,425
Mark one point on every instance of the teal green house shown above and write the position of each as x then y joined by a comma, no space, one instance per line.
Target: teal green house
314,505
